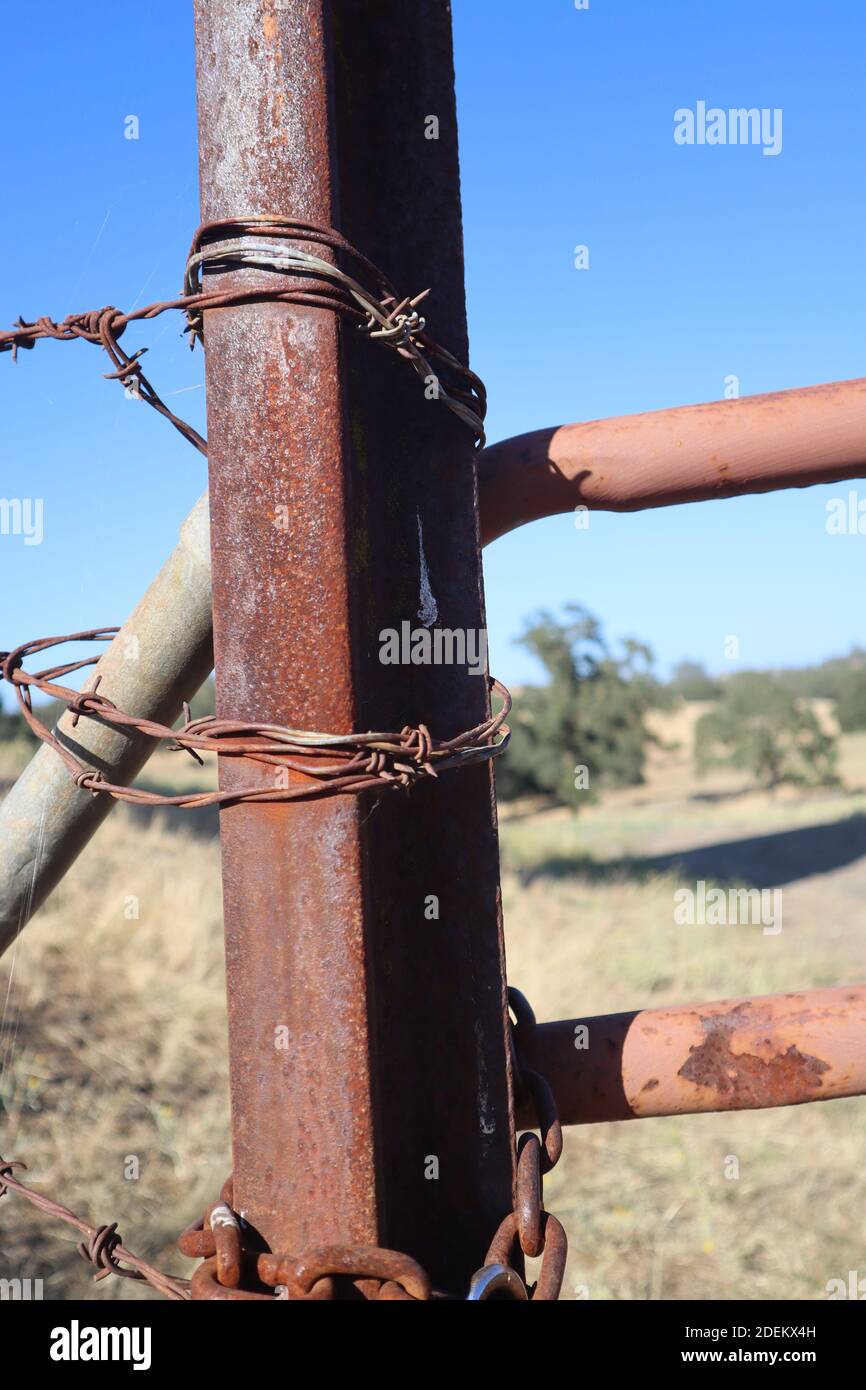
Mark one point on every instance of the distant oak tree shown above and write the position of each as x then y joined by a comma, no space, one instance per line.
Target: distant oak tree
760,727
590,714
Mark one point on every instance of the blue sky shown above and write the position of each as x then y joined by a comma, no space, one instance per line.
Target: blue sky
705,261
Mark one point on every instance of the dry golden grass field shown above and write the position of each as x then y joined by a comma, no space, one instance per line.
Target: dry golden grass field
113,1032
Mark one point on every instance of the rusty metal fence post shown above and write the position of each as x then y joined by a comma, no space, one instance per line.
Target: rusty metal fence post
369,1062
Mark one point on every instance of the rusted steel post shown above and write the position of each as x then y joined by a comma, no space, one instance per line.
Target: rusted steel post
734,1054
365,936
693,453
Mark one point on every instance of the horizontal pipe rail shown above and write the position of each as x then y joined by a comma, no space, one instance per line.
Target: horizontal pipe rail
694,453
734,1054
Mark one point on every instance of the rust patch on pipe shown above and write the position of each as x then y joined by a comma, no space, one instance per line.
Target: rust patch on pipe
748,1078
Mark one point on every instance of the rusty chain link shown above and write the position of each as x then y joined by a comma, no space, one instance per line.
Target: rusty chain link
380,313
231,1271
329,764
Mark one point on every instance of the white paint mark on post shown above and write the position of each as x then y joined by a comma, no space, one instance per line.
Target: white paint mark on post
428,610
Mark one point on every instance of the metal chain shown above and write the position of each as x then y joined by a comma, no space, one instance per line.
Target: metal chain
529,1228
329,764
230,1271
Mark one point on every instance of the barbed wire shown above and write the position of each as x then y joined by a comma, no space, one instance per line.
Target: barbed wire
322,764
102,1245
380,313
